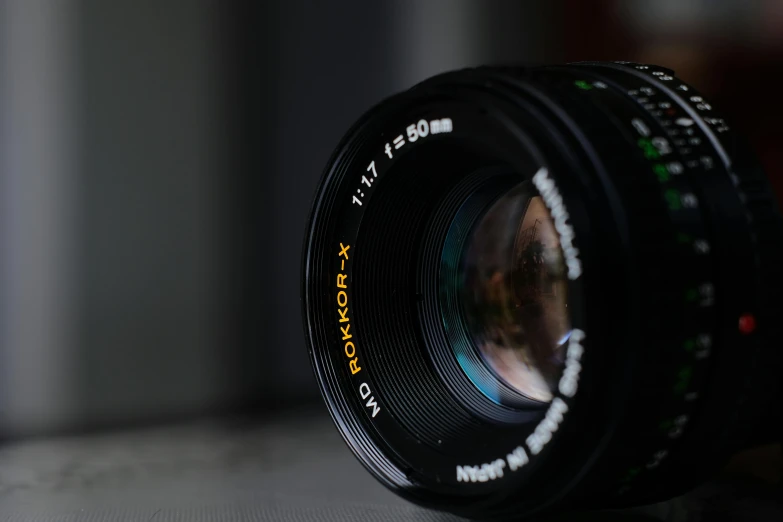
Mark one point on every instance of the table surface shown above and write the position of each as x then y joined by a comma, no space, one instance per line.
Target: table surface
292,467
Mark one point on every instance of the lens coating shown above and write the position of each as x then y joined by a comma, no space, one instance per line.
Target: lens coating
513,292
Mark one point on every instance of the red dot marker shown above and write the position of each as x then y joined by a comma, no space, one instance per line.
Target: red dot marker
747,323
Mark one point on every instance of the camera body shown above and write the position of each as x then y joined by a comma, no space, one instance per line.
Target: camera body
529,289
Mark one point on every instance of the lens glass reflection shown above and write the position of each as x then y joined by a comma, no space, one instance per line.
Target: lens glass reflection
513,293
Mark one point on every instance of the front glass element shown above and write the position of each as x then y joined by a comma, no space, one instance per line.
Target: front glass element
513,293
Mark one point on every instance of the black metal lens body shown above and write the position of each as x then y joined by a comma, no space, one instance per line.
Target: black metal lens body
669,236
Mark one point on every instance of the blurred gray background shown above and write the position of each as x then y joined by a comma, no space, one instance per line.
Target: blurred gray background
157,160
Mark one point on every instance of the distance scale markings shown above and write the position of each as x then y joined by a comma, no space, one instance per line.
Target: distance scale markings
679,199
662,152
685,136
675,155
413,132
697,106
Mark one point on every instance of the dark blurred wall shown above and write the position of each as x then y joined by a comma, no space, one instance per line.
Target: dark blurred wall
112,193
151,262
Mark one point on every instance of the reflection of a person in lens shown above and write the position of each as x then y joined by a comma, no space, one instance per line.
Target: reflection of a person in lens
534,292
527,343
515,294
539,287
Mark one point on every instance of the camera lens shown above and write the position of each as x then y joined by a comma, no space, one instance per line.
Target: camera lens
508,276
528,289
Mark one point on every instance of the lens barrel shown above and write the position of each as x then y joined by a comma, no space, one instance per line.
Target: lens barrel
528,289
